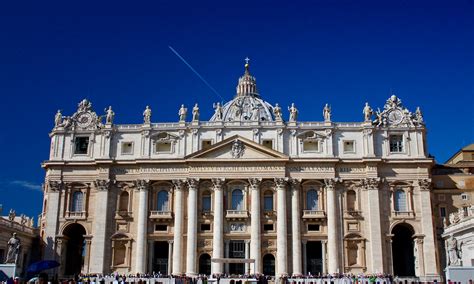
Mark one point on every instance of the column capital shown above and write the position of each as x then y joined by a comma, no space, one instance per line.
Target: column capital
170,241
330,183
193,183
255,182
102,184
55,185
142,185
295,183
179,184
281,182
371,183
218,182
424,184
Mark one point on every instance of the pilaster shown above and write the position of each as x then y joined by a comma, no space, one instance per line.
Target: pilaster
99,242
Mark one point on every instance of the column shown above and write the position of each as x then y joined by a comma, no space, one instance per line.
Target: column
296,226
218,226
151,246
51,219
170,257
247,256
191,244
375,232
429,250
140,252
178,227
333,254
282,249
99,241
227,255
255,225
324,256
305,260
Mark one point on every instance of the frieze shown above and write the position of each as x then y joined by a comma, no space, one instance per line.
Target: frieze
311,169
236,168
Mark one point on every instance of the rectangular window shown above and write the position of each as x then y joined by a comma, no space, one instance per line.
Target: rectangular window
163,147
396,143
313,227
400,201
348,146
442,212
206,144
81,145
268,203
268,143
311,146
127,148
206,203
268,227
205,227
161,228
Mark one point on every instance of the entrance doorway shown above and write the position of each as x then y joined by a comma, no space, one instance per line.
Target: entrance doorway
75,248
403,258
269,264
160,258
314,259
205,264
236,250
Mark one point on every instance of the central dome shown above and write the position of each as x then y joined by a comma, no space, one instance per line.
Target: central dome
247,104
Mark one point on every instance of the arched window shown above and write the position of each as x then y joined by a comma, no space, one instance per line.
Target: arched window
77,203
162,201
237,200
312,200
400,204
206,202
123,201
268,201
351,200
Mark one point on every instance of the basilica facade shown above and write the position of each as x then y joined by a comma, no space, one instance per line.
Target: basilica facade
252,182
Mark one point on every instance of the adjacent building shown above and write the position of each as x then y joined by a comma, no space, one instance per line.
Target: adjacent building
298,197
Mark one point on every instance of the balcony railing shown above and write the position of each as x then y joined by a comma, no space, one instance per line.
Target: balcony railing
123,214
403,214
237,214
75,215
313,214
154,214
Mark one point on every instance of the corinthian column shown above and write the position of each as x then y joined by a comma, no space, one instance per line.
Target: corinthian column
255,233
333,254
375,232
140,252
295,226
282,249
218,226
100,224
178,227
192,227
428,246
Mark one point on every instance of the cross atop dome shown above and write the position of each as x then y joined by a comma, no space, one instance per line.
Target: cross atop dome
247,59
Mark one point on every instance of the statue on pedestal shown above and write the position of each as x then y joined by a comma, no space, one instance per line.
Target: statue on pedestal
58,119
277,112
196,112
327,113
218,111
293,112
109,118
368,111
14,245
182,113
147,115
454,252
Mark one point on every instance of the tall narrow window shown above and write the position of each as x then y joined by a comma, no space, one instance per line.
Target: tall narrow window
351,200
400,201
268,201
206,202
312,200
396,143
237,200
123,201
81,145
162,204
77,203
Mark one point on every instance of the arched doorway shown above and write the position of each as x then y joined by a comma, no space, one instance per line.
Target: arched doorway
205,264
269,264
74,235
403,257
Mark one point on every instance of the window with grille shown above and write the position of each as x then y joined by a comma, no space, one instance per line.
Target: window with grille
396,143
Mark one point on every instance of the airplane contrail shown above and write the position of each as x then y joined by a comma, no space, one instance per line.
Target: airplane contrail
195,72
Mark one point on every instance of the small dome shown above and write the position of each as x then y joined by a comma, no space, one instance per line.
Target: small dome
247,104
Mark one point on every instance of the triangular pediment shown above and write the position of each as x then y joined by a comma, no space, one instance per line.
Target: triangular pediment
238,148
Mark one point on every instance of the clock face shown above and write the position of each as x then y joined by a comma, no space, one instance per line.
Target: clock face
84,119
395,117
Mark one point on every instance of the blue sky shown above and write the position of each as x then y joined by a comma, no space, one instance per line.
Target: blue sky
308,52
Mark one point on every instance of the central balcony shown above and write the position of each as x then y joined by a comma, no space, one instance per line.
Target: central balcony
75,215
237,214
161,215
314,214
